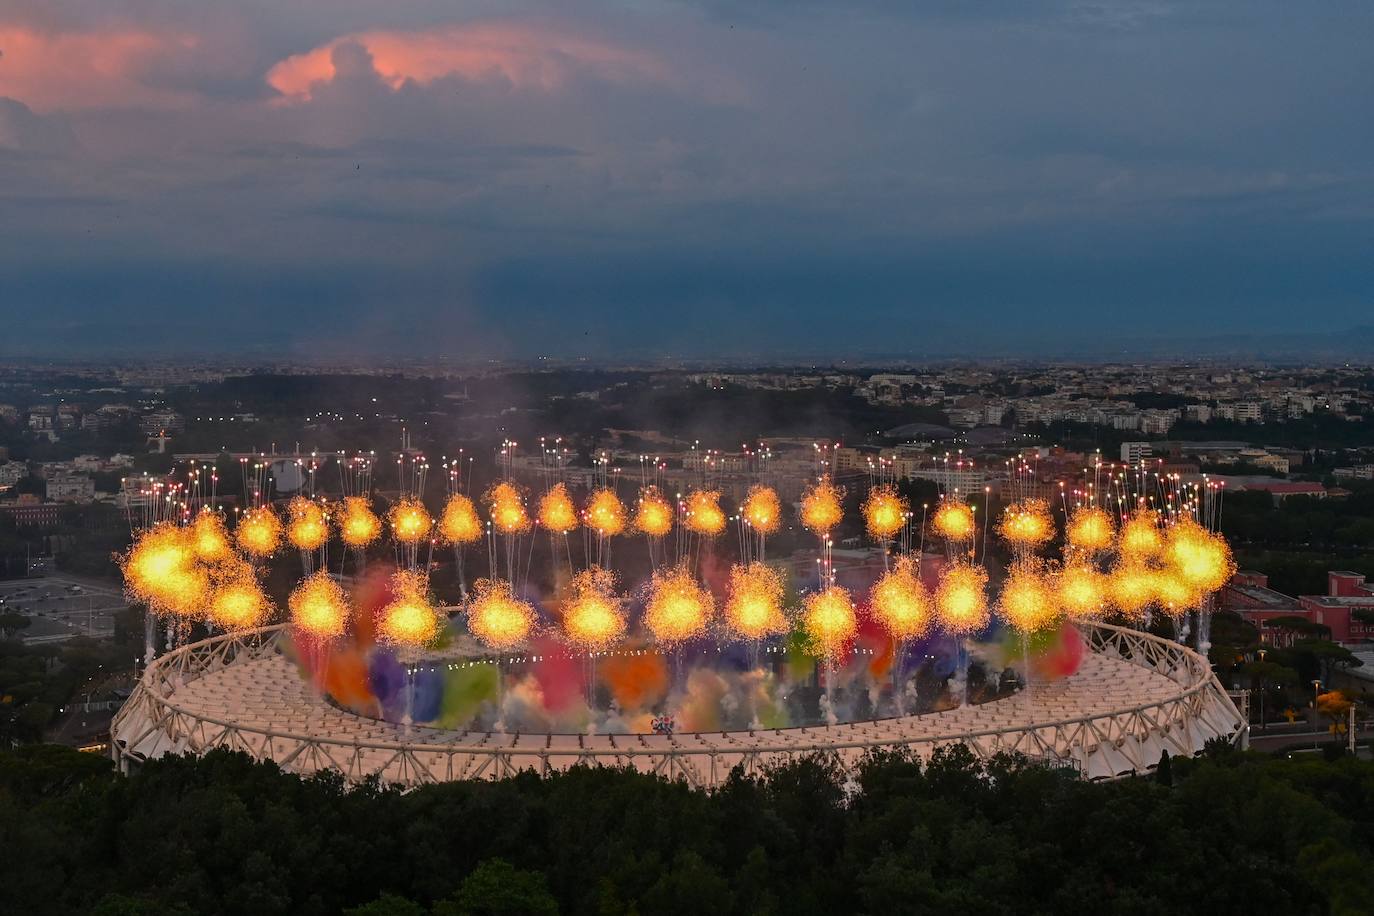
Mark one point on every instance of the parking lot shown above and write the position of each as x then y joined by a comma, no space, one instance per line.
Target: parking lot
60,607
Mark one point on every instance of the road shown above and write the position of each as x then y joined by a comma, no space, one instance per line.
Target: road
60,607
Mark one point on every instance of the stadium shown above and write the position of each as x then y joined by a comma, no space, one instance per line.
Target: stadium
695,659
1134,697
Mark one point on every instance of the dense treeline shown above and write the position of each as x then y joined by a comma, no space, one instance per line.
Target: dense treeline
1231,833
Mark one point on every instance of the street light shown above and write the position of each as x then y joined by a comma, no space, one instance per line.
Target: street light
1264,725
1316,691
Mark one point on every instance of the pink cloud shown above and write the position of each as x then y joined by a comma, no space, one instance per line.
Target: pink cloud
97,69
523,55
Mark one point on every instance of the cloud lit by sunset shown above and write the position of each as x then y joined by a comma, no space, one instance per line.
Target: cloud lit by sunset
521,55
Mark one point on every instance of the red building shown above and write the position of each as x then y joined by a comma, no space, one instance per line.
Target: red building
1347,610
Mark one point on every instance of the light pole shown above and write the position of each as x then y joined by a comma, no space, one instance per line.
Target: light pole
1316,691
1264,727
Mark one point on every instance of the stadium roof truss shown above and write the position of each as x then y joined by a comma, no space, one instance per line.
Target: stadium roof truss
1134,697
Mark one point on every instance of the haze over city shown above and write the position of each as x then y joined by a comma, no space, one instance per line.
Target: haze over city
685,178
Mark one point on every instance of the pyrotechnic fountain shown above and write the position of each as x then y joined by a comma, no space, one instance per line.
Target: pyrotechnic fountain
703,641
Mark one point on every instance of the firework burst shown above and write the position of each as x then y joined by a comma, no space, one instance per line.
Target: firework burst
259,532
606,513
704,515
496,617
211,540
237,601
410,618
884,512
319,607
306,527
1082,591
829,621
506,506
410,521
1026,525
359,525
654,516
953,521
1199,558
762,510
1090,530
556,510
900,602
1028,600
754,609
822,506
679,608
1140,539
459,524
593,618
961,600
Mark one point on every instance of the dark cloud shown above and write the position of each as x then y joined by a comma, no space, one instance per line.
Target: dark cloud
525,177
22,131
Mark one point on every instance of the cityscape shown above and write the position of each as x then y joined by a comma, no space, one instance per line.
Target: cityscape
676,457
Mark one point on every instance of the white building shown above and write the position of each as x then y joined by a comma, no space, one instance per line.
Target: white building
1135,452
71,488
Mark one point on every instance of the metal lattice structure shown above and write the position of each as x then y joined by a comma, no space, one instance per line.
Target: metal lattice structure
1135,696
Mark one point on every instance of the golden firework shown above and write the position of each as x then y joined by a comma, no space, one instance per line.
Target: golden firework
762,510
459,524
1174,594
704,515
507,508
211,539
593,619
237,601
1082,591
360,526
184,593
1090,529
1131,588
1140,539
496,617
961,600
884,512
900,601
1199,557
1026,524
259,532
409,619
1027,601
556,510
654,516
606,513
410,520
822,506
829,621
754,608
319,607
954,521
306,527
679,608
160,570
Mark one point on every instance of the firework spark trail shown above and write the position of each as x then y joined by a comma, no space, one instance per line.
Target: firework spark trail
822,508
885,514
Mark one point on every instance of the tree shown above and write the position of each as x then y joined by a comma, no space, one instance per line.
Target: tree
1335,706
497,888
11,622
387,905
1328,656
